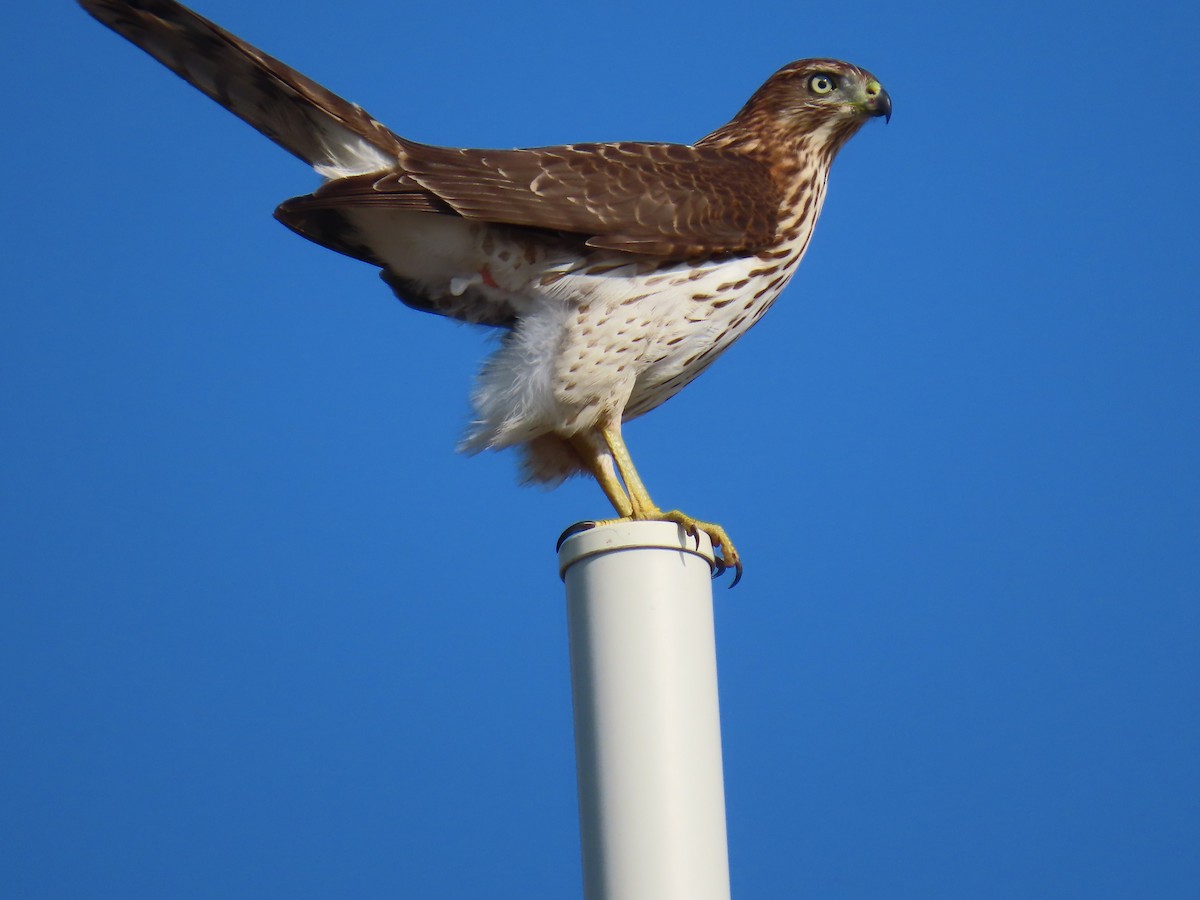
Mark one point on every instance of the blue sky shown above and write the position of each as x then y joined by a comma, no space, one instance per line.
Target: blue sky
264,634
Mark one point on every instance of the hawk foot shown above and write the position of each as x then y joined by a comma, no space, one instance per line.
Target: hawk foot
728,559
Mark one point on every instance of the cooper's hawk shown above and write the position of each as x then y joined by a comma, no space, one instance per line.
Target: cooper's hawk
618,271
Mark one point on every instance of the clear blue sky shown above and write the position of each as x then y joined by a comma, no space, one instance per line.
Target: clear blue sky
264,634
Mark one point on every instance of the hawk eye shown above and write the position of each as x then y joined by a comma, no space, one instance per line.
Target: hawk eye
821,83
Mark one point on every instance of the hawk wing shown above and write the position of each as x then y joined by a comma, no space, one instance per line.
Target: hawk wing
665,200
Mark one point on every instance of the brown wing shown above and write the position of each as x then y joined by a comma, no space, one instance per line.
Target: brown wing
332,134
665,200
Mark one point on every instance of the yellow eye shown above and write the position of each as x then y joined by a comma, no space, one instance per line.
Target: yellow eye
821,83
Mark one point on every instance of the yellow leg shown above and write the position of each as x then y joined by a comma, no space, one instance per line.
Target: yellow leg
600,462
639,497
634,501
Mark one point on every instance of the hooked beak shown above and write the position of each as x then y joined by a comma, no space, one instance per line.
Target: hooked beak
877,102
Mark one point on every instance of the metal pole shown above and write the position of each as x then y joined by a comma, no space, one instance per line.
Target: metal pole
647,724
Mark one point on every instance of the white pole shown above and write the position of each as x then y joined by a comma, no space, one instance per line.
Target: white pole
647,725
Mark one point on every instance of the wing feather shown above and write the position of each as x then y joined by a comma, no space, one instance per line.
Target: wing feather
667,200
662,199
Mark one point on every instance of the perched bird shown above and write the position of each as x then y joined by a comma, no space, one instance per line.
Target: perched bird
618,271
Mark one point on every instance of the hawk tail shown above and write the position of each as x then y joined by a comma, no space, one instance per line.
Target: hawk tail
334,136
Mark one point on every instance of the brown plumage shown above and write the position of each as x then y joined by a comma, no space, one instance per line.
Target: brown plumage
620,271
663,200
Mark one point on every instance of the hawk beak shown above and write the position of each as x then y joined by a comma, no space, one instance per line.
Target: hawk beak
878,103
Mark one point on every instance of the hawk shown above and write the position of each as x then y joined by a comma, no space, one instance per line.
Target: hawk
617,272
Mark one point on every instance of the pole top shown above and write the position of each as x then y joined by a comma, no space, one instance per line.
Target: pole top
585,540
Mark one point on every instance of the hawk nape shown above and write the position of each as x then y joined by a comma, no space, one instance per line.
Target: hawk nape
618,271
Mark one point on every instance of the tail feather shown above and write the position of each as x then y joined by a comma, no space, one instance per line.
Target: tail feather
334,136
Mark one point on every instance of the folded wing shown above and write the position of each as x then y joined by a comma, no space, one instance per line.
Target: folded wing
664,200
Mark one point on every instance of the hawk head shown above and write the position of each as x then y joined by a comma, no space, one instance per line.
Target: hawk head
820,103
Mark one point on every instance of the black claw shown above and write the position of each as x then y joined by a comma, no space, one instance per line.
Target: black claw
577,528
720,567
737,574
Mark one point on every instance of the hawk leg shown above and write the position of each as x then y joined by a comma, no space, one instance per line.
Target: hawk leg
600,463
610,458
